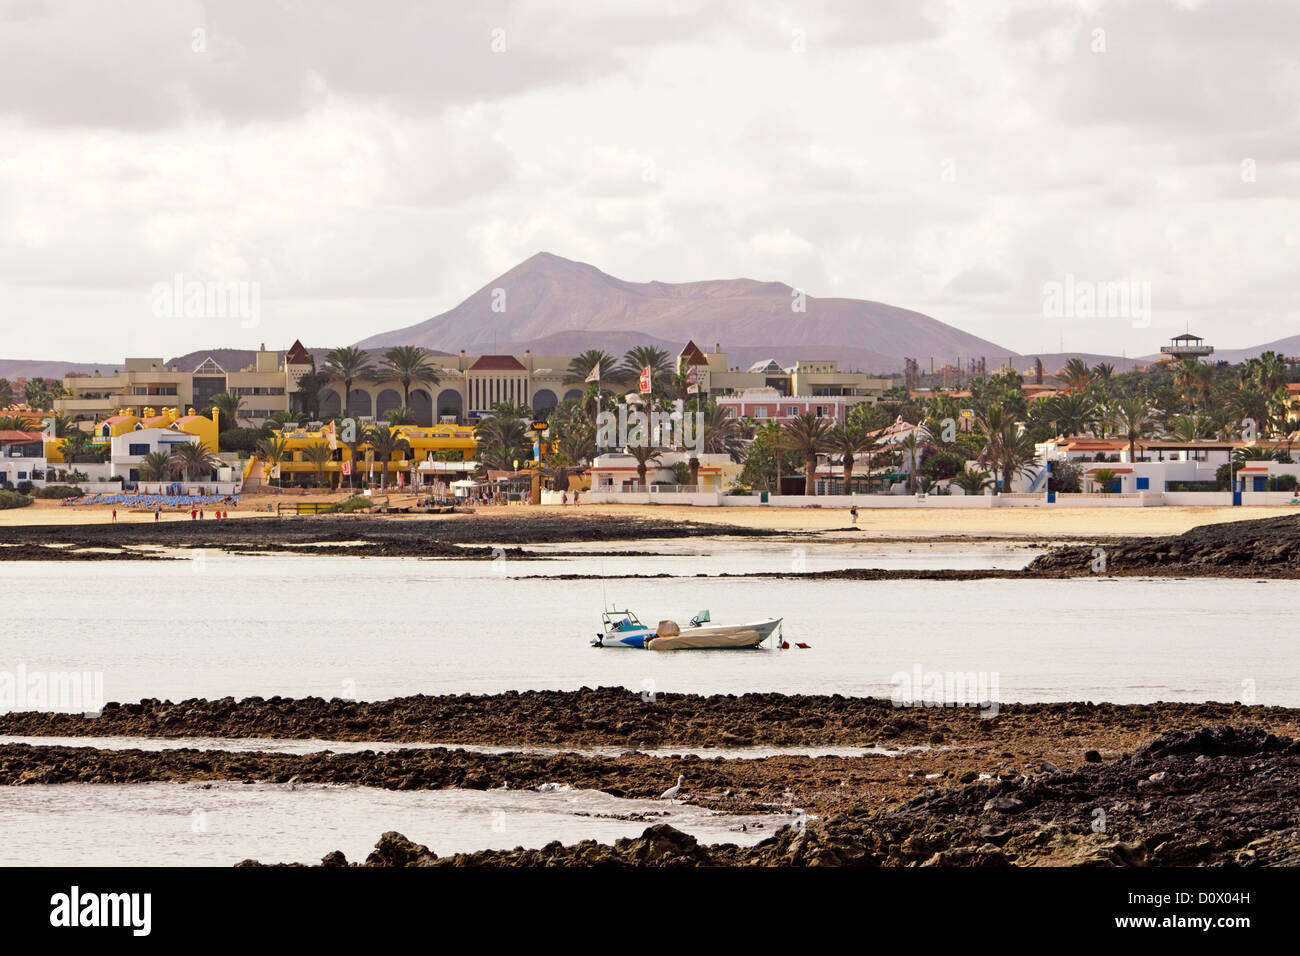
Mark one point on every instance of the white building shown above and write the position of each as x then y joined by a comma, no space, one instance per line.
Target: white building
617,471
22,456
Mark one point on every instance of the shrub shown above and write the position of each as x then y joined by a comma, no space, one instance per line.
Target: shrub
11,499
355,503
24,487
58,491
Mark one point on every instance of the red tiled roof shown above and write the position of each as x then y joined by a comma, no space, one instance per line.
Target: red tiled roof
691,352
297,355
488,363
20,436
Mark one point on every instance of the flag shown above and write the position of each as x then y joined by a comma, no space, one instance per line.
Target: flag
346,468
594,374
693,379
644,383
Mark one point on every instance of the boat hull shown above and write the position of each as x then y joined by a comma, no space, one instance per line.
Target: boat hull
709,637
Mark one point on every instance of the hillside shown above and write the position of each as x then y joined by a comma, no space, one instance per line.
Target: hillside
547,294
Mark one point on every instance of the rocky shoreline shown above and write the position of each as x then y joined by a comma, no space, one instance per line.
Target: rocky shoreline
617,717
1218,796
1208,783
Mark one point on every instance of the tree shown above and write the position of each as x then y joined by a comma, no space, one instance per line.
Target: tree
318,453
638,357
644,455
807,435
581,365
770,431
911,446
76,444
385,444
18,423
972,482
849,441
307,396
348,365
1073,412
1076,374
410,365
503,437
193,460
1134,419
40,393
155,466
6,392
228,406
273,451
1016,454
400,416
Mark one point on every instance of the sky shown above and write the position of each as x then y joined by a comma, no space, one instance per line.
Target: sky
362,166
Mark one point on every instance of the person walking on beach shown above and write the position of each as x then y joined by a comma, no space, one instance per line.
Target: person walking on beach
194,514
853,510
157,513
114,514
200,514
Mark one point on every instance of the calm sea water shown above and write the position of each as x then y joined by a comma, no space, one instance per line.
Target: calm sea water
219,824
376,628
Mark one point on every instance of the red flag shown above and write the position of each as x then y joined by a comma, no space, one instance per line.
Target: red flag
645,379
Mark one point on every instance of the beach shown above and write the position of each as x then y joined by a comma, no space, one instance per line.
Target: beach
1045,522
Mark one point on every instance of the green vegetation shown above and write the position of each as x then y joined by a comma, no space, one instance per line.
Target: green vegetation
12,499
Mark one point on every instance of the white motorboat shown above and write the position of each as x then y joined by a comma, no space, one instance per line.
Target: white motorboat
624,629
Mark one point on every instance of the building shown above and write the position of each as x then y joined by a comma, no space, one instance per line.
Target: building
436,452
22,456
1187,346
152,383
617,471
767,404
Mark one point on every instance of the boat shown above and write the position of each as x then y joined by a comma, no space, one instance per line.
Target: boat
624,629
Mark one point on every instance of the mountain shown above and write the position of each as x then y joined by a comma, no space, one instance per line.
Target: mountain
43,368
548,295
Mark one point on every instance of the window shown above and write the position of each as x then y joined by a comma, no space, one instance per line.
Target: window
791,411
760,411
1143,484
137,449
731,411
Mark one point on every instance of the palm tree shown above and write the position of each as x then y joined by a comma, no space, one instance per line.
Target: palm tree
1191,427
193,460
1016,454
581,365
911,447
1073,412
1076,374
808,435
644,455
972,482
399,416
384,444
6,392
1103,371
307,396
273,451
155,466
1134,418
503,437
410,365
228,406
348,365
639,357
75,444
318,453
770,430
849,441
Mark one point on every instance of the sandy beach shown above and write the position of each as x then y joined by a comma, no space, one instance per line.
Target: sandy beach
921,523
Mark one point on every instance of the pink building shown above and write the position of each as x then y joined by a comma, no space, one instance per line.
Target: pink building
765,404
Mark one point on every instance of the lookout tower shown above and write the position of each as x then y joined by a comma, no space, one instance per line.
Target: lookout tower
1187,346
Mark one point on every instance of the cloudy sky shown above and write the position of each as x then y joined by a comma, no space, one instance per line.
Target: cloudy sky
369,165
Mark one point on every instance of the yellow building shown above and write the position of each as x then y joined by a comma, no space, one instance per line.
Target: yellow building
426,444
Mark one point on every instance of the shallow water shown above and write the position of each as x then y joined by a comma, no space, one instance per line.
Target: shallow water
281,745
219,824
381,627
